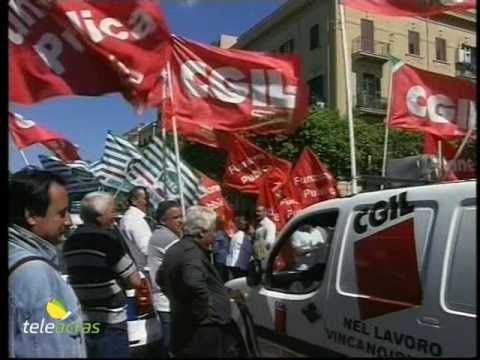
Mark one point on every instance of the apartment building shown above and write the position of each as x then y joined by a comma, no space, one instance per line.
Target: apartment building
444,44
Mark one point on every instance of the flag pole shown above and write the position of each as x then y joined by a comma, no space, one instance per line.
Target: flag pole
348,84
462,145
22,153
175,141
387,129
440,158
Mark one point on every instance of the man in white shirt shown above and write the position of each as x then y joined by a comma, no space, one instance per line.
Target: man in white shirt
310,245
135,228
240,249
266,229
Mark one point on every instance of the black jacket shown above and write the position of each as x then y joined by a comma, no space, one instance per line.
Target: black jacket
195,290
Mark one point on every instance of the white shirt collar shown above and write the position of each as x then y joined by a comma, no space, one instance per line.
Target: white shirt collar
136,211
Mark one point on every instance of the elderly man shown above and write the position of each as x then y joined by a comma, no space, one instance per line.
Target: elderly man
38,216
168,232
99,269
135,228
199,301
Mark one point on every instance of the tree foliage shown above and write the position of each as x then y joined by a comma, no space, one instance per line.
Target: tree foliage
327,135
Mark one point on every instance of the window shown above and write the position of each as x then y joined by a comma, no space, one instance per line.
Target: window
314,37
413,43
366,35
462,272
316,90
441,49
301,258
287,47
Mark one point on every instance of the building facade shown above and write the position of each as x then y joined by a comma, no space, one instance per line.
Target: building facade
444,44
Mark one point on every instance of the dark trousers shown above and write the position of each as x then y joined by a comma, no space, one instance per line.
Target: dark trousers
110,342
165,321
222,271
206,342
236,272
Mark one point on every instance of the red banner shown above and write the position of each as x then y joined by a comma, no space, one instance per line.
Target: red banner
459,169
25,133
409,7
427,102
233,90
213,198
247,164
310,180
67,47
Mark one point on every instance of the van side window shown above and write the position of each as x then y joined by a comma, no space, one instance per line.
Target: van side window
301,259
461,269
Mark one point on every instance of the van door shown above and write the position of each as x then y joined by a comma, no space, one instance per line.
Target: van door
288,308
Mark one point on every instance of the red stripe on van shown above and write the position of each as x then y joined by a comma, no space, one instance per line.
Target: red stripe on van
387,271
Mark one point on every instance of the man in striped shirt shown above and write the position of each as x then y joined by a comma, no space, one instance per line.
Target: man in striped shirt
99,270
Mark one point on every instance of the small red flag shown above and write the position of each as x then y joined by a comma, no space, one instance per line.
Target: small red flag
26,132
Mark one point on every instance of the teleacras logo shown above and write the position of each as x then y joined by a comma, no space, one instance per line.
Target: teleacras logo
57,310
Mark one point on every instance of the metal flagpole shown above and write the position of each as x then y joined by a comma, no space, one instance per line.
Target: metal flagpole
462,145
348,84
387,131
440,158
27,163
175,140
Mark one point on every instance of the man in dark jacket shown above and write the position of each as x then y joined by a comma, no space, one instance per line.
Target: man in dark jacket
199,303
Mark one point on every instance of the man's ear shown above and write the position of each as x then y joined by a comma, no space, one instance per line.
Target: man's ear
30,219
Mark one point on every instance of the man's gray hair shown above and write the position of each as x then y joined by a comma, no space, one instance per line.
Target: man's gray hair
198,220
94,205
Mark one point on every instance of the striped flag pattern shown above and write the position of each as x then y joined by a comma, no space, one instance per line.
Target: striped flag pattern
77,175
123,165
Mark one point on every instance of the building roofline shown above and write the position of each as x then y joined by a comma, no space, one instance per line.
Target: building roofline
270,20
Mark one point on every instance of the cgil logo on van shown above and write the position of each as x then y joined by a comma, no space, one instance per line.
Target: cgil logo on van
381,211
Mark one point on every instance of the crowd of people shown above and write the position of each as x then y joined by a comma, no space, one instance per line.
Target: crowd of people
184,259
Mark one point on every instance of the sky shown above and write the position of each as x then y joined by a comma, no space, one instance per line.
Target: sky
85,120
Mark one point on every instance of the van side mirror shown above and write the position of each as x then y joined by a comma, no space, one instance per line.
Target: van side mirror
254,273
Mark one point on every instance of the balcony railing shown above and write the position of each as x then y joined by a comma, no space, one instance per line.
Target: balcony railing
362,46
371,103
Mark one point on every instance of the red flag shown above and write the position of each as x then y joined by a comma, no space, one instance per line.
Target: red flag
26,133
310,180
67,46
233,90
458,169
277,199
427,102
214,199
409,7
247,163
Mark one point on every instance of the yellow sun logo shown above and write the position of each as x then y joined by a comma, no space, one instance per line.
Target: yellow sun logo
57,310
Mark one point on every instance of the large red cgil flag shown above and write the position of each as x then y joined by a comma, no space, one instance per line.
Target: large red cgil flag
247,164
85,47
409,8
26,133
232,90
427,102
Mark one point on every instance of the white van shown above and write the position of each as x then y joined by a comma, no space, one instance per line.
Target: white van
389,273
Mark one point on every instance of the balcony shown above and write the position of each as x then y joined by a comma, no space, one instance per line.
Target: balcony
365,48
466,64
372,104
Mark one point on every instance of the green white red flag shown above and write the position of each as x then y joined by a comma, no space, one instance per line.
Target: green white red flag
410,8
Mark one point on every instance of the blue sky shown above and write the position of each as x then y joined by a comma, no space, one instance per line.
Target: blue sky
86,120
